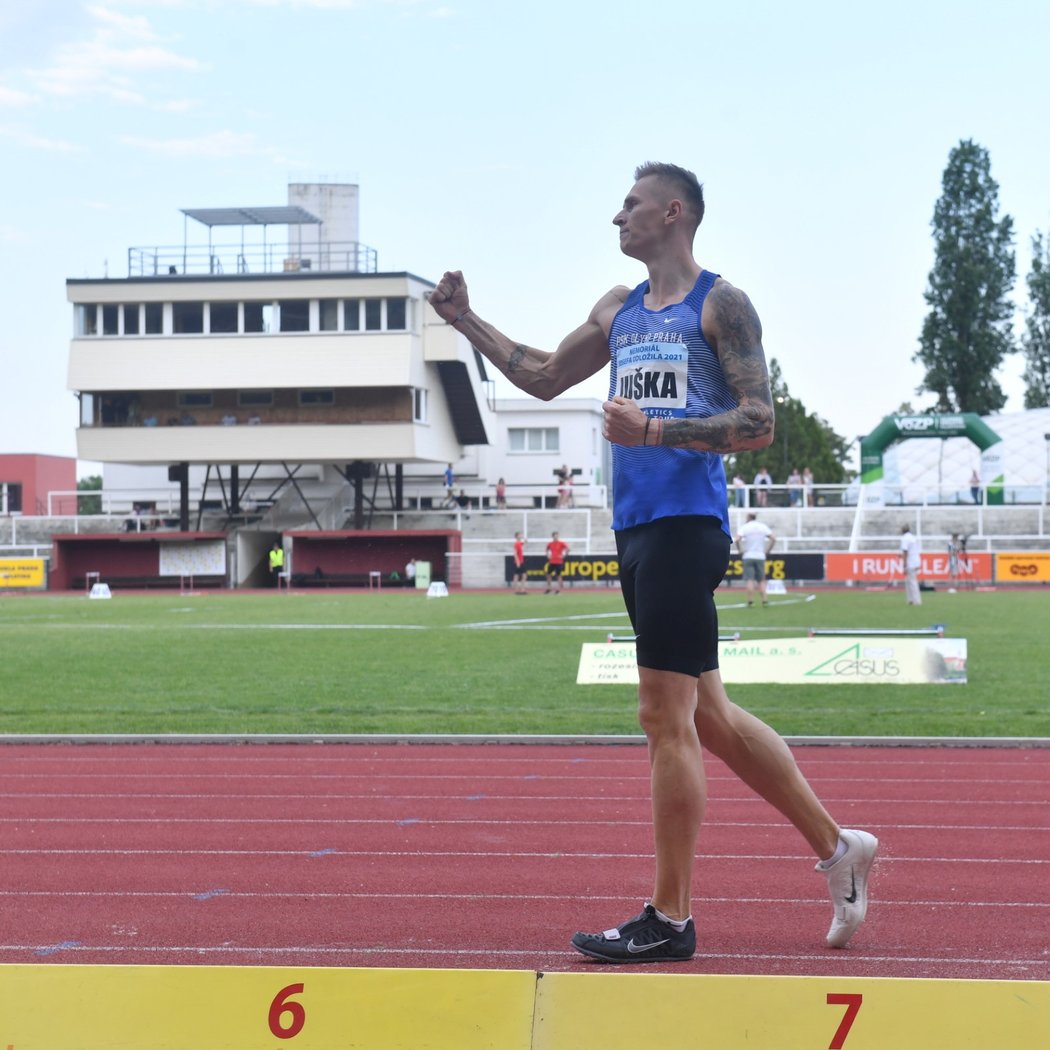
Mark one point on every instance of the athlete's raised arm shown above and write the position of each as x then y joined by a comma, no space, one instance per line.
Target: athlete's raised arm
579,355
734,331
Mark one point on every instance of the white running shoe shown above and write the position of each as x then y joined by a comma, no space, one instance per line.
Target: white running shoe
848,885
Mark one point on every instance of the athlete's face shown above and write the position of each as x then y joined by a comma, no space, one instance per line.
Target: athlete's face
642,219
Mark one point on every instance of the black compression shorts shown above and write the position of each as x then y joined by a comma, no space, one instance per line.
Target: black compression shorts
669,570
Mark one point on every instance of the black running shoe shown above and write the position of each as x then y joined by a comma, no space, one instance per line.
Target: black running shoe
643,939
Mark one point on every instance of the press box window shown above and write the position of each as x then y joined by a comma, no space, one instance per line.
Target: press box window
86,319
222,318
154,318
396,314
255,398
316,397
131,319
373,315
258,317
109,319
295,315
187,318
351,315
194,399
328,315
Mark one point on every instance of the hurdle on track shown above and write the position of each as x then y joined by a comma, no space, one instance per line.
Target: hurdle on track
934,631
633,637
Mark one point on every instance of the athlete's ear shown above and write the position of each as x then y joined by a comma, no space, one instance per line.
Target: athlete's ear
675,209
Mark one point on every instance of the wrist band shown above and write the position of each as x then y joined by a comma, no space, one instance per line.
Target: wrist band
645,436
459,317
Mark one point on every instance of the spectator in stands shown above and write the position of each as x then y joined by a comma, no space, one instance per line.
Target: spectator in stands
501,495
410,573
807,487
975,486
762,483
462,500
739,491
450,487
911,555
565,487
794,483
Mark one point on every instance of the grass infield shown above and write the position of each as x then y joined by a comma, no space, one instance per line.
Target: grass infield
399,662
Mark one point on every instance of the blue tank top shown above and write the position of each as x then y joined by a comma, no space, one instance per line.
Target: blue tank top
662,361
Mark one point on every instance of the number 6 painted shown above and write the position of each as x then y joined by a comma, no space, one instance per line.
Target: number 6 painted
284,1004
852,1004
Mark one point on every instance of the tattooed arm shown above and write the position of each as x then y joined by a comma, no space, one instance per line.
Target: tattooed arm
544,375
735,333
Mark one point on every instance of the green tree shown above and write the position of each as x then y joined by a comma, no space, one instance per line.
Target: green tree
802,439
967,332
1036,337
89,504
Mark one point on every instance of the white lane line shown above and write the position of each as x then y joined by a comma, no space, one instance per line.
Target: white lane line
855,956
489,854
503,822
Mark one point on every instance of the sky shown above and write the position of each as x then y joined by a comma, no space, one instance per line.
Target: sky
501,140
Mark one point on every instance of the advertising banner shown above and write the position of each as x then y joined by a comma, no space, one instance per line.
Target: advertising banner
1023,567
886,566
592,568
602,568
803,661
784,567
23,574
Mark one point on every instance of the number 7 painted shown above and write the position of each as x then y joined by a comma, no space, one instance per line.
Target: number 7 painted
852,1003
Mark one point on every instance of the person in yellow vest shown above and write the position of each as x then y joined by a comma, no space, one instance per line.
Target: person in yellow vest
276,563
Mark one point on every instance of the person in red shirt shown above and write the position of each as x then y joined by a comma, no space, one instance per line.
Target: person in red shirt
556,551
519,564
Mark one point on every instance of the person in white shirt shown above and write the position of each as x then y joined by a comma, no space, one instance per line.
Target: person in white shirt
755,540
912,558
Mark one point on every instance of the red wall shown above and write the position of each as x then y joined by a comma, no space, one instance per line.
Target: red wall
111,555
39,475
364,552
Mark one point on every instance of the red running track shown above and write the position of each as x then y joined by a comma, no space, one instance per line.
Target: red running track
491,856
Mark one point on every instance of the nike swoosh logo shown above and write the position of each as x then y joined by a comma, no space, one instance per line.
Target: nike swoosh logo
852,898
636,949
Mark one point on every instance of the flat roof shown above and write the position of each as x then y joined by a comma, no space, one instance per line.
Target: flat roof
281,215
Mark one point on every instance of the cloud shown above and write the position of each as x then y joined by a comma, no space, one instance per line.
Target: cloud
33,141
217,144
119,52
11,98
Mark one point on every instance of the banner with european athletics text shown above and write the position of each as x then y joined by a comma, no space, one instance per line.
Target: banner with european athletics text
602,568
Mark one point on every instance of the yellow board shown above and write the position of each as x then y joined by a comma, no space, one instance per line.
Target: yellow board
61,1007
241,1008
626,1011
1023,567
22,573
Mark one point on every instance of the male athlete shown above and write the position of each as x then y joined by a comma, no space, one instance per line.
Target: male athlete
688,383
556,551
520,573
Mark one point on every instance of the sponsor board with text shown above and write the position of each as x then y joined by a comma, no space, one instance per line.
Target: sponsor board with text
803,661
885,566
22,573
1023,567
